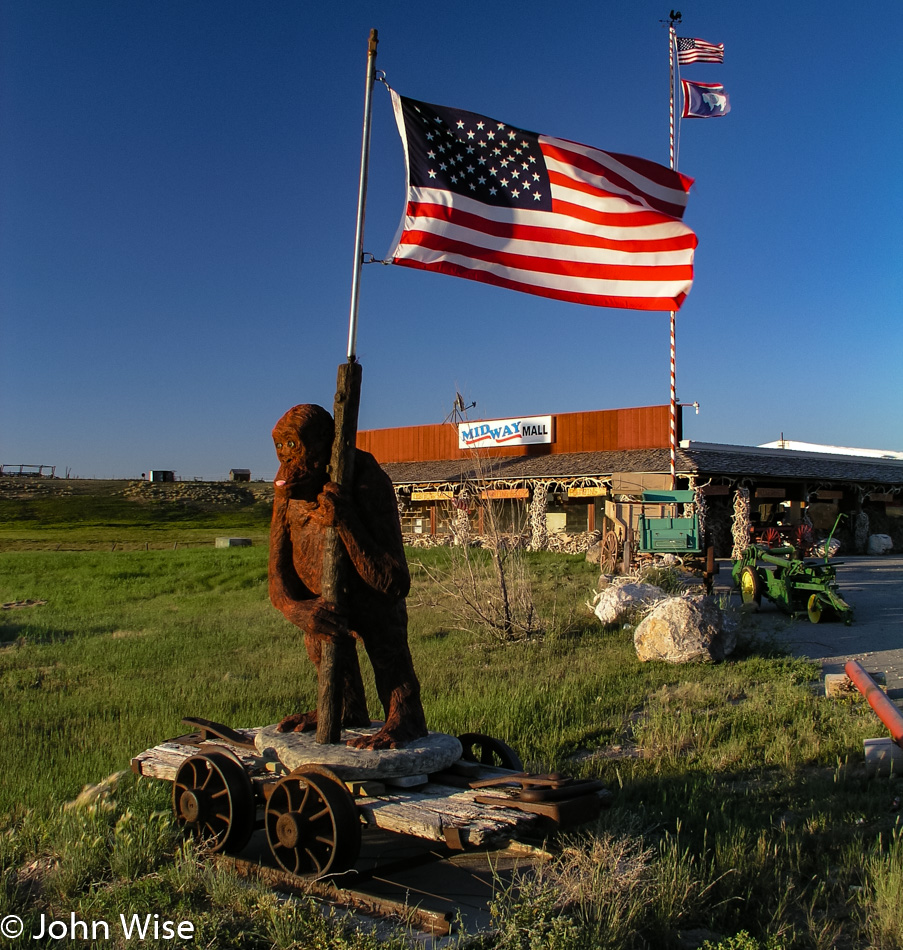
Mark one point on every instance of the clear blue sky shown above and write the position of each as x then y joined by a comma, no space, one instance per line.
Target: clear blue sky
178,187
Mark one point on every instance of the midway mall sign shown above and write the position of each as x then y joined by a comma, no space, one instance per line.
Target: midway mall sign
496,433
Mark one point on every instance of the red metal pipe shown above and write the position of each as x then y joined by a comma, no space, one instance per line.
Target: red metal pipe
886,711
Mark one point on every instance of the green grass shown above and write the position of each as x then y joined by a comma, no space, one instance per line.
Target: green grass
741,805
126,645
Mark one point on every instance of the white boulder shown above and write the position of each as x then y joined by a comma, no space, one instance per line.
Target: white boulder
615,600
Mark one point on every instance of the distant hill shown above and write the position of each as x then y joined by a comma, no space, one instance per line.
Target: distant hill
89,514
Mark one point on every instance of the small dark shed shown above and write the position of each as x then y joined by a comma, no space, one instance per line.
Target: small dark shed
240,475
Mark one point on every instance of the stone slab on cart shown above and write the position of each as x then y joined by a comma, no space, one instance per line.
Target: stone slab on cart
432,753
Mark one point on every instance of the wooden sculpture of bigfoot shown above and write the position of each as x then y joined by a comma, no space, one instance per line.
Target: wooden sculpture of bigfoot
366,519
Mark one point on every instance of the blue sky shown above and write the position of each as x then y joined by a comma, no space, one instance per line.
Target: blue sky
178,187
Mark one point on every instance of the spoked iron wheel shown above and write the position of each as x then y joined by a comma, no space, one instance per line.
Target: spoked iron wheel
313,825
803,539
489,751
608,559
771,538
213,799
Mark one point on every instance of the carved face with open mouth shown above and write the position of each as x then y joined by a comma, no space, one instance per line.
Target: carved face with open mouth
303,440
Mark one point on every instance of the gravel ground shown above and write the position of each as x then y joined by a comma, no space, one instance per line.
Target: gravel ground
874,588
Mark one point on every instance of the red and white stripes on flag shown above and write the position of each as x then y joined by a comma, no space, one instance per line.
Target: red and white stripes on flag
495,203
694,50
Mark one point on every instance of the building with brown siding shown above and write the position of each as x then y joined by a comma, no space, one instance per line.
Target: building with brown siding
590,457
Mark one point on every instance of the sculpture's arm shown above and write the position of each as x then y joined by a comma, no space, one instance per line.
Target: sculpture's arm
288,593
371,534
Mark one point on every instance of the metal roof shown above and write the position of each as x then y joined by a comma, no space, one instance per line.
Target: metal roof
700,459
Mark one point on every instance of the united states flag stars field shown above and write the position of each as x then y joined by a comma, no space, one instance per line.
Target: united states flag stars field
495,203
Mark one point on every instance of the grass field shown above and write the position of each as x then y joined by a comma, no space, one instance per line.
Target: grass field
742,813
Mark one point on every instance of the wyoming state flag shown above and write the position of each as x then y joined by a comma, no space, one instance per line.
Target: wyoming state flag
704,100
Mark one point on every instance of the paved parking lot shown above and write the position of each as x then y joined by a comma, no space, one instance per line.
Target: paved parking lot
874,588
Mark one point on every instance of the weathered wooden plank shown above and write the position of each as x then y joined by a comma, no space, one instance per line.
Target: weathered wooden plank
437,923
163,761
426,813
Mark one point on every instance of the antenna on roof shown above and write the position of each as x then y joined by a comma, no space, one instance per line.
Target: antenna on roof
458,409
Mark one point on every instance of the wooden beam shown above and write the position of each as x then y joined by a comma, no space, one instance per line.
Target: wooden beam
336,569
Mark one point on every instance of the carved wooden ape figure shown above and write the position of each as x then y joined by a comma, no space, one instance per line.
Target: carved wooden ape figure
366,520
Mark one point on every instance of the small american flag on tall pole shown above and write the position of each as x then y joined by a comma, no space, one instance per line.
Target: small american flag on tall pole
495,203
690,50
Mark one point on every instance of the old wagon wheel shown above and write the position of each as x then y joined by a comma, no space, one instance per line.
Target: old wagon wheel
750,586
213,799
489,751
608,556
803,538
771,537
312,825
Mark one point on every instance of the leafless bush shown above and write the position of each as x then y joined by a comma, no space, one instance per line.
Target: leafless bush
487,589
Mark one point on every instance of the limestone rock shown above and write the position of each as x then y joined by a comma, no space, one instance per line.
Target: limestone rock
611,603
684,630
880,544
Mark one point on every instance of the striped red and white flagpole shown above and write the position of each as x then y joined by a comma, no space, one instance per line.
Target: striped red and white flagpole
673,414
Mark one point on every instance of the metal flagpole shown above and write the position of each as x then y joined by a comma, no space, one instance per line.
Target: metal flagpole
337,655
362,197
675,18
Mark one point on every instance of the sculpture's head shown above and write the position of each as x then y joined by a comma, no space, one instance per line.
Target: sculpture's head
303,439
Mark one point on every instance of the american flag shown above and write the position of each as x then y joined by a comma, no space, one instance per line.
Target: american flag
691,50
492,202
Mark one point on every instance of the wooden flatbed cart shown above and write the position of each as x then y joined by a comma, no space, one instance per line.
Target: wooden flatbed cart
223,790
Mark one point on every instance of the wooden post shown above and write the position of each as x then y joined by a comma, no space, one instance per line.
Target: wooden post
341,468
335,561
